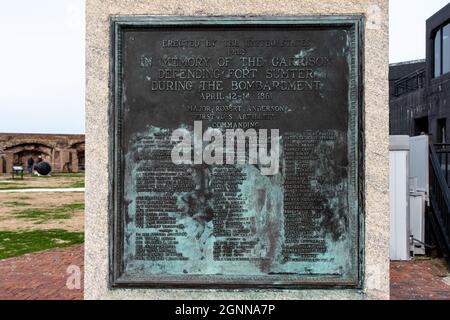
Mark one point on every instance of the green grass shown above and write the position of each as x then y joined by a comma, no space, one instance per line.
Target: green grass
16,243
74,206
78,184
40,216
10,186
16,204
52,175
69,175
76,180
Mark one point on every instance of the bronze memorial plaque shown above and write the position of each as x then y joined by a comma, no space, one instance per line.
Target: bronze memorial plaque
236,152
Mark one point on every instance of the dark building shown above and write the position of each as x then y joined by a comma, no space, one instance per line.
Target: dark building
420,90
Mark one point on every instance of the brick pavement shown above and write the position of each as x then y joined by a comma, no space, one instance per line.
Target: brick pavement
42,275
421,279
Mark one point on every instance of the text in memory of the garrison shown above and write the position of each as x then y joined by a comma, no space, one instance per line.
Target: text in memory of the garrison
236,152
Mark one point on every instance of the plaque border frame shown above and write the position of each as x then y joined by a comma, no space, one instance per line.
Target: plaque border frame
115,188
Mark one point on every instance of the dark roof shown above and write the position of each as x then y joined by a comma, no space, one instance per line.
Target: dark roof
399,70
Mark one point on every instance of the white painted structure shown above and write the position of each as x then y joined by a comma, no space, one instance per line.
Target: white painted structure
419,196
418,163
399,197
417,203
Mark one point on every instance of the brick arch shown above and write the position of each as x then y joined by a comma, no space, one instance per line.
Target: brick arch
23,151
78,145
14,144
41,147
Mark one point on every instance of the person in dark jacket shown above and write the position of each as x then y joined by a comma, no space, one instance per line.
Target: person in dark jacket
30,166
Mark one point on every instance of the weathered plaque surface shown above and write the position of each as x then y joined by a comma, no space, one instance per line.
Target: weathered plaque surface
294,221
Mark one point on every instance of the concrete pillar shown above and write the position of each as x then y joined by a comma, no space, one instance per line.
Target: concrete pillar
9,158
65,156
61,161
52,159
74,161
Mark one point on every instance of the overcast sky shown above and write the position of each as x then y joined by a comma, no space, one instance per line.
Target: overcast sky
42,59
42,66
407,27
